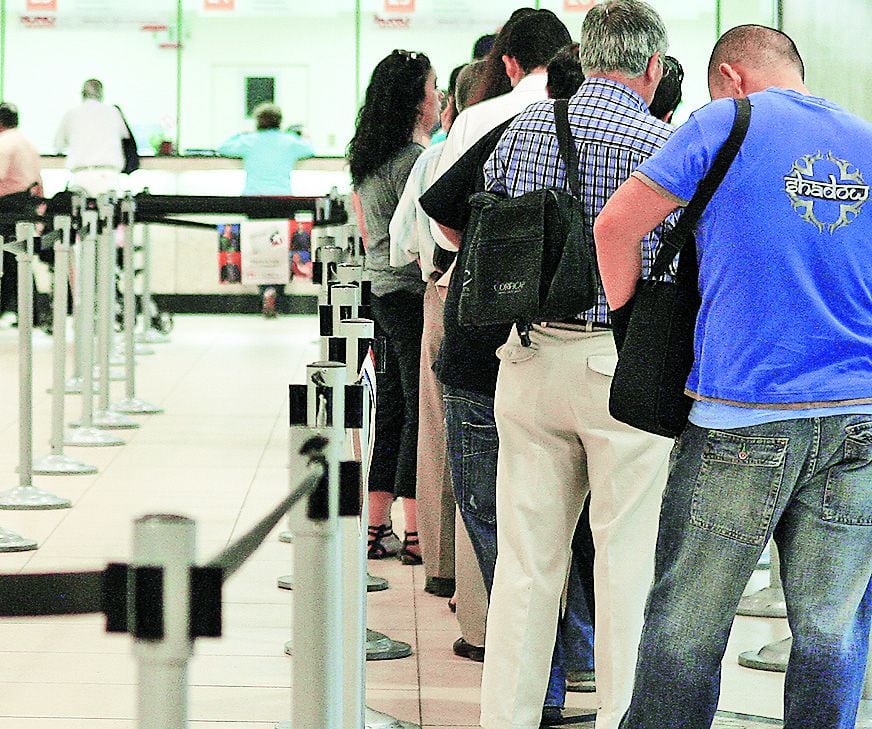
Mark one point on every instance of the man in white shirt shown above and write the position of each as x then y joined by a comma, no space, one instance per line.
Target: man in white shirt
538,31
91,134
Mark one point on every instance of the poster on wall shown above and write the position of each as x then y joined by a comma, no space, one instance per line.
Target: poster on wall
264,246
229,258
301,246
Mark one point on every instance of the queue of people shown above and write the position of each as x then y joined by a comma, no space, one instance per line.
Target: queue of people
584,527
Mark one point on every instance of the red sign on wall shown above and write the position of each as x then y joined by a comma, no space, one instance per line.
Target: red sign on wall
578,6
399,6
42,5
219,4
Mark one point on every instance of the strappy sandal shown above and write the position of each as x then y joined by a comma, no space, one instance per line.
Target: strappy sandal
407,556
382,542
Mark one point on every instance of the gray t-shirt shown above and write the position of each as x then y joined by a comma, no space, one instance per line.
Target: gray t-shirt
379,196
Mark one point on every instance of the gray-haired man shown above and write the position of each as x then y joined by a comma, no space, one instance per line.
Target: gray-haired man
557,439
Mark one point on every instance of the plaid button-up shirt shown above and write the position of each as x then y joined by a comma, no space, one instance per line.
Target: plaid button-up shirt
614,133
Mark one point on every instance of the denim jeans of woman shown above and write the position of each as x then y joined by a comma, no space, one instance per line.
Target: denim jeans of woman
808,483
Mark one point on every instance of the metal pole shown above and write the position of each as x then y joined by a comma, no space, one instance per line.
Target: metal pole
106,417
131,403
26,495
317,624
74,384
148,334
355,331
168,542
84,433
56,462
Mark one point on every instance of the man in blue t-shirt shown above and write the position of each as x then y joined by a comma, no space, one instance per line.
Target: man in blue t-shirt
780,435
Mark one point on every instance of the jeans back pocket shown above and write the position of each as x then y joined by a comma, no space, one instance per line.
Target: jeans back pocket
738,484
848,491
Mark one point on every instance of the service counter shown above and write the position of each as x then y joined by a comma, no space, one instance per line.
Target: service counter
185,260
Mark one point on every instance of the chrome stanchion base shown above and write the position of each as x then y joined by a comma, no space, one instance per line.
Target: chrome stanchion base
152,336
766,603
135,406
374,584
12,542
53,465
73,386
373,720
30,497
378,647
142,349
110,420
287,537
772,657
381,648
80,436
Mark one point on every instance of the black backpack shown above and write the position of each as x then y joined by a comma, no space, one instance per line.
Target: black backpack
530,258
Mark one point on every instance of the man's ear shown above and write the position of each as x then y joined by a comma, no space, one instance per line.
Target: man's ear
513,69
655,67
730,82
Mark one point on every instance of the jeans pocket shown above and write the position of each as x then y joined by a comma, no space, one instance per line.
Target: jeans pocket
478,481
737,488
848,491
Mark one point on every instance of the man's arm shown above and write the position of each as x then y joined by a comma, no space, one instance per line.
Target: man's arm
633,211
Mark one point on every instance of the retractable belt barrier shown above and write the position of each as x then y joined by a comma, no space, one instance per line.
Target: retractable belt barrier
161,598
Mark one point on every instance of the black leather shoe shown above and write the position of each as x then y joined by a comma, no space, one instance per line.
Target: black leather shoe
439,586
468,650
551,716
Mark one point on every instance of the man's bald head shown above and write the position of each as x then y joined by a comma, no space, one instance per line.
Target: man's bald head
762,56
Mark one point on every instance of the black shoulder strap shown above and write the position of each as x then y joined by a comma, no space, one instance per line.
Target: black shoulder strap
568,151
672,243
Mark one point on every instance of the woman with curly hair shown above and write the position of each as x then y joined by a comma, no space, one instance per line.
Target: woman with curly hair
401,106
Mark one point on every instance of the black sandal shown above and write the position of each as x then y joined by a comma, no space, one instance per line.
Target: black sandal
376,548
407,556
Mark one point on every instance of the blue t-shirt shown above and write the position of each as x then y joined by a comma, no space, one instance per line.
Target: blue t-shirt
785,248
268,156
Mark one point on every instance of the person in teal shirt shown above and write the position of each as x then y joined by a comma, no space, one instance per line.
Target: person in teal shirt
268,154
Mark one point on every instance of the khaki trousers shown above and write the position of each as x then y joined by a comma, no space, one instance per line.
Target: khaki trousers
434,493
471,595
557,441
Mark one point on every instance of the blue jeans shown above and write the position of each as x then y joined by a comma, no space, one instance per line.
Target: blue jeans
472,452
806,482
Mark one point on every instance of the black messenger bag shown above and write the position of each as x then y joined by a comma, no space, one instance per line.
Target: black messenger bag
529,257
654,330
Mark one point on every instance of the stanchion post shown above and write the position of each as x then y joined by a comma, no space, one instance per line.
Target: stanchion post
131,403
166,542
148,334
26,495
317,667
105,417
85,434
57,462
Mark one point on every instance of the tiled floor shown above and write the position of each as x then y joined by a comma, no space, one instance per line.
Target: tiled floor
217,454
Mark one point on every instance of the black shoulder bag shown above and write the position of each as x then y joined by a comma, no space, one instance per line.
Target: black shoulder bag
128,148
529,257
654,331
